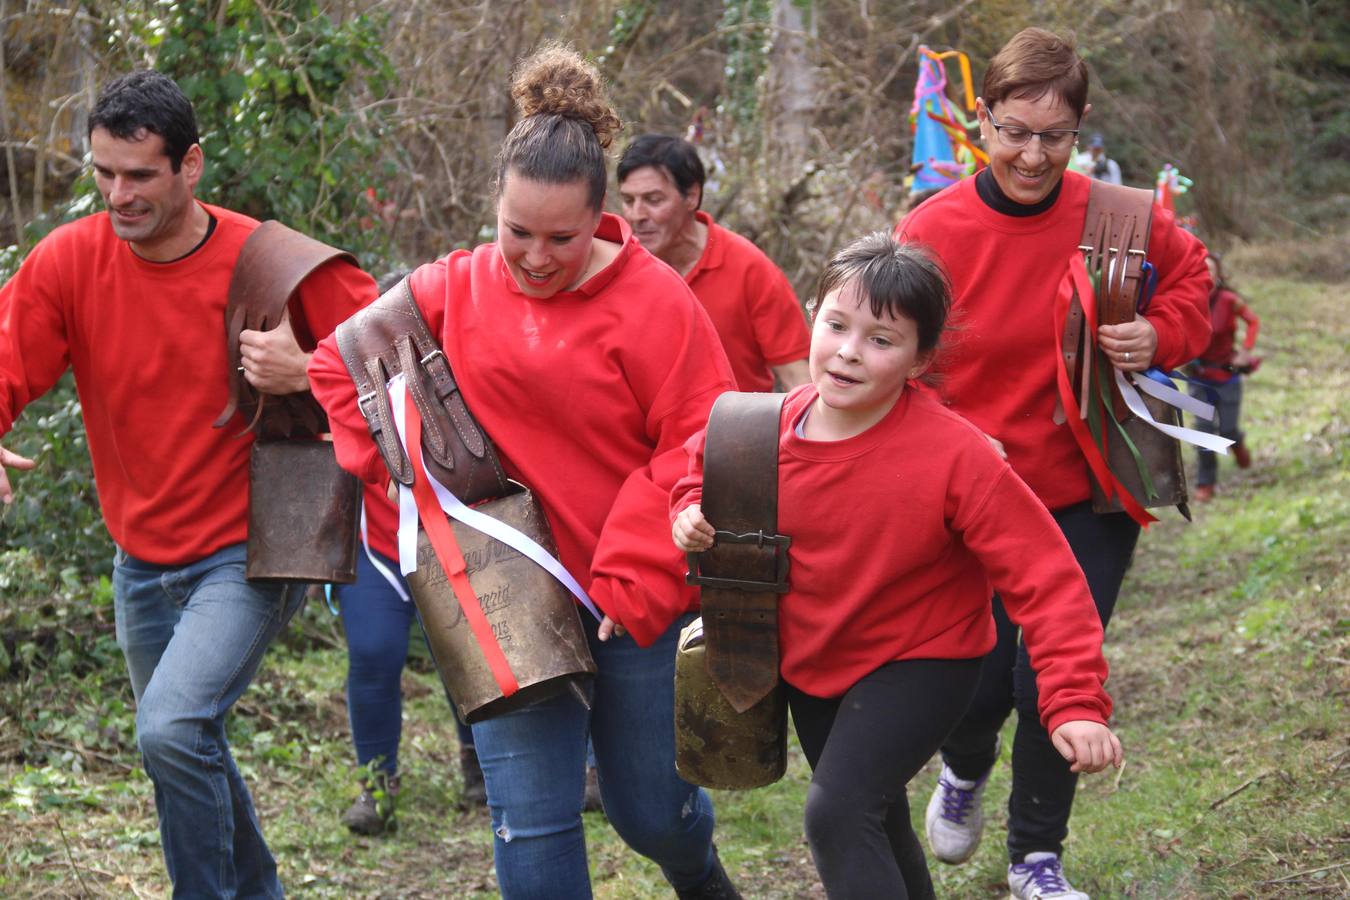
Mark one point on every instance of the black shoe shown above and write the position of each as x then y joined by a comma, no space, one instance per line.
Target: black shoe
474,792
717,886
372,813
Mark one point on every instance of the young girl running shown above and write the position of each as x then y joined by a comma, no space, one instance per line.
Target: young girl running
903,521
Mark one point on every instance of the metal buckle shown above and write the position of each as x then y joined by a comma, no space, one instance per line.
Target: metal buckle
780,543
432,355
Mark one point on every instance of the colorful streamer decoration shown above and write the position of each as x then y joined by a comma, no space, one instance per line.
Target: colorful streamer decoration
1170,185
943,151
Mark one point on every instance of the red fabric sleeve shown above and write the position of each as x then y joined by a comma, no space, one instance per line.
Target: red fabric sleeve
1179,310
780,327
1253,324
327,298
34,351
1045,593
638,572
689,489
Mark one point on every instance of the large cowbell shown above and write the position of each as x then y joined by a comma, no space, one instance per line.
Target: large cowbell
533,617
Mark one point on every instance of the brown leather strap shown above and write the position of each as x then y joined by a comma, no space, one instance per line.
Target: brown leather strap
1115,243
390,337
271,266
744,571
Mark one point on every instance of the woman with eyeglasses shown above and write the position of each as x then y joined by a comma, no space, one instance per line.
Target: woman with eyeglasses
1006,236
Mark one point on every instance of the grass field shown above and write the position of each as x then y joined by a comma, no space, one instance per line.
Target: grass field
1230,655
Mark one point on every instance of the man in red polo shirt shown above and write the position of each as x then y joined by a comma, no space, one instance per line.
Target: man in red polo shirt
132,299
749,299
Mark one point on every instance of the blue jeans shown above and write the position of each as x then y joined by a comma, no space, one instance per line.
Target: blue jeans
376,621
1227,400
534,762
193,637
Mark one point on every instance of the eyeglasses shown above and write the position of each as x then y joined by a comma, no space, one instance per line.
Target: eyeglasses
1017,136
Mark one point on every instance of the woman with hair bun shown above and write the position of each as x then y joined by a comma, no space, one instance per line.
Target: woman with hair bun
589,363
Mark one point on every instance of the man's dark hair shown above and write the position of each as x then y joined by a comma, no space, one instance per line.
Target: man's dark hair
147,101
675,155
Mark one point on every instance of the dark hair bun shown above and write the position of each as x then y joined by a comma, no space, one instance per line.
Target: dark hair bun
556,80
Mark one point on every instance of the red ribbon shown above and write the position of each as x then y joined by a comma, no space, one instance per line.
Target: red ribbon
442,538
1077,282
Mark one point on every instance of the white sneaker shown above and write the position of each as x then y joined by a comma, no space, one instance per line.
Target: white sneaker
955,817
1041,877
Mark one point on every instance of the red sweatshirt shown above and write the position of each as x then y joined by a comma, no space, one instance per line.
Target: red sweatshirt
147,344
751,304
998,363
897,535
1225,308
589,396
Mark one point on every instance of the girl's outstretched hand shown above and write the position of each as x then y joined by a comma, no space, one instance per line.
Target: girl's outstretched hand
1089,746
691,531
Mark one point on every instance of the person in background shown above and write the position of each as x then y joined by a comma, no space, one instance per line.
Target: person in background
1005,236
1220,370
133,300
1096,164
750,300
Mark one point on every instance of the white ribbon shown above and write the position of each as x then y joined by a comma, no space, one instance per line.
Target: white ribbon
1173,397
1189,435
460,512
380,567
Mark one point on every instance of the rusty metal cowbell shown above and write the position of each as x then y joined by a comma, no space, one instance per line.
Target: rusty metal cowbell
716,746
731,715
1115,244
533,617
304,510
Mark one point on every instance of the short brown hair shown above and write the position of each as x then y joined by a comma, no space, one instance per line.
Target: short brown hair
1034,63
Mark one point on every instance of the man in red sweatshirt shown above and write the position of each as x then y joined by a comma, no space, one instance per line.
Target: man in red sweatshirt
749,299
133,300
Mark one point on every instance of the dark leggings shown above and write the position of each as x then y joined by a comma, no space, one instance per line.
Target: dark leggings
863,748
1042,785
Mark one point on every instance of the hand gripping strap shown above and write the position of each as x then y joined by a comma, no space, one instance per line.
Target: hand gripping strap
746,568
272,264
391,337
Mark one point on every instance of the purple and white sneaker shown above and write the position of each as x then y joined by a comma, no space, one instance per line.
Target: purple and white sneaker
1041,877
955,817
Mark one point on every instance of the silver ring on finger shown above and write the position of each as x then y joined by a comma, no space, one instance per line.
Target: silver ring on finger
1127,356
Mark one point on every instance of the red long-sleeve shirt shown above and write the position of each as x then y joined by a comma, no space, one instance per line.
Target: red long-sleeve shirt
588,395
897,535
997,366
1225,308
147,344
751,304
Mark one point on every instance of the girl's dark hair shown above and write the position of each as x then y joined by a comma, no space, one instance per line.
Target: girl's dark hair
1221,283
142,101
897,280
565,122
1034,63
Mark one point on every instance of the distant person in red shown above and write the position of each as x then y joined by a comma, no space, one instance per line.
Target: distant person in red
1221,368
132,299
750,300
1006,235
901,517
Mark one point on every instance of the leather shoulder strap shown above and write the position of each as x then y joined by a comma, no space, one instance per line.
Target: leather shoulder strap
389,337
272,264
1115,239
740,472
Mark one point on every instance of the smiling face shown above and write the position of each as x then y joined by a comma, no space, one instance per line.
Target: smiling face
1028,174
860,363
544,233
656,209
149,204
